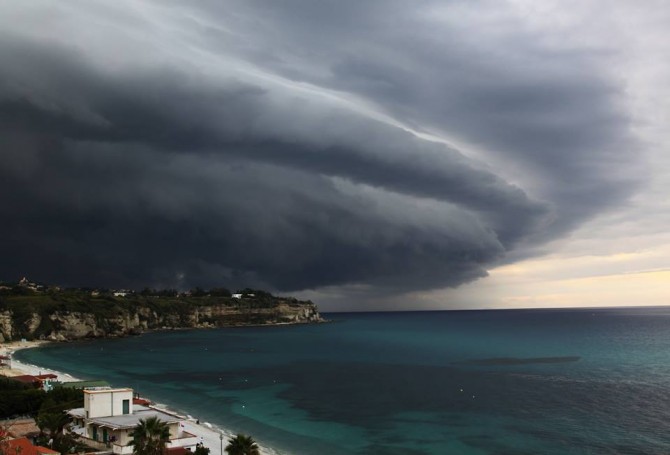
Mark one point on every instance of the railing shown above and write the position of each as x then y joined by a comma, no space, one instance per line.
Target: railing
96,444
184,435
185,439
122,450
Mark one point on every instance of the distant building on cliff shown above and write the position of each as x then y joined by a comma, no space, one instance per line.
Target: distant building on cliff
27,284
109,416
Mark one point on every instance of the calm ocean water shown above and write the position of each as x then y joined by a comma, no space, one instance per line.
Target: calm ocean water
469,382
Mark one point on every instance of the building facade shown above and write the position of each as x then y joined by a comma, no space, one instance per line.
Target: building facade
109,416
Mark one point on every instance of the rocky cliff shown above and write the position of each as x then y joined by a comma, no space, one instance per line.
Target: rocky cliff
54,317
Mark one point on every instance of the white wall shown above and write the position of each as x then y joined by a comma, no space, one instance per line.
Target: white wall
105,403
122,437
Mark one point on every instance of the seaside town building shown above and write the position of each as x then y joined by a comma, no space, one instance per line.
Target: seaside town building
22,446
26,283
109,416
39,381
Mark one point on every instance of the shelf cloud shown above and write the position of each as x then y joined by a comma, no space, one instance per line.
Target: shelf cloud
295,145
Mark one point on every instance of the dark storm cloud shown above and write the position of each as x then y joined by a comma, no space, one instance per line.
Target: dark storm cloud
471,70
134,156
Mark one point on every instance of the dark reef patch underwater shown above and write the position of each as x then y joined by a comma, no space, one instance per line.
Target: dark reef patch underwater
468,382
517,361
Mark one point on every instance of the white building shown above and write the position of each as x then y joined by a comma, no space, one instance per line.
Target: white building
108,416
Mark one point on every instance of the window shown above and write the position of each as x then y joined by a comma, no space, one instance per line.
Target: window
95,433
126,406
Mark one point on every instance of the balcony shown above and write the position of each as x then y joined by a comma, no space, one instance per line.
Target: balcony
99,445
185,439
122,450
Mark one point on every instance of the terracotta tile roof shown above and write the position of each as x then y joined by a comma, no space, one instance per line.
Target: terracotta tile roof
178,451
19,428
27,378
32,378
22,446
46,376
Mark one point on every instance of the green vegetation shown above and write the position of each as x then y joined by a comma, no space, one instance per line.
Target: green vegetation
19,399
242,445
38,311
201,449
83,384
150,437
52,419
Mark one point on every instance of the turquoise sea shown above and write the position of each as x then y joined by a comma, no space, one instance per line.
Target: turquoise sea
460,382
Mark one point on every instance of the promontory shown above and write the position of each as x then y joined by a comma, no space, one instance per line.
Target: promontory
34,311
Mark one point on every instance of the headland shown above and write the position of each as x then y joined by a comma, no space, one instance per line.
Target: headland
32,311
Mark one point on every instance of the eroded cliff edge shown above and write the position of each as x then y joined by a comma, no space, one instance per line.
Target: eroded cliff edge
65,316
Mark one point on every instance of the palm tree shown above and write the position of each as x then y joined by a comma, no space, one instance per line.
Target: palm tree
150,437
242,445
53,423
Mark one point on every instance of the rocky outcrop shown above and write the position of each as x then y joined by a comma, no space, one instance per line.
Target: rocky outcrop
65,325
6,331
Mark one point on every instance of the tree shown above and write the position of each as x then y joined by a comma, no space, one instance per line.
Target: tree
198,292
201,449
150,437
147,292
51,423
4,437
68,443
219,292
242,445
167,293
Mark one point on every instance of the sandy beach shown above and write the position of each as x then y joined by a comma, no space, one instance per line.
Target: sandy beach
209,434
19,368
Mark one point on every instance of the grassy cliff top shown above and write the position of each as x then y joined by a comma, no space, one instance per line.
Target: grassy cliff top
30,310
37,298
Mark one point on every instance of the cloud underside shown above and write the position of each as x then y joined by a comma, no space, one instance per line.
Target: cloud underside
264,149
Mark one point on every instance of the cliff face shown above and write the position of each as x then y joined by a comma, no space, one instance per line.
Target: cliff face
57,322
5,326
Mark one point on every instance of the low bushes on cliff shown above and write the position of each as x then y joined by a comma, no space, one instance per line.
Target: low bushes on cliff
77,313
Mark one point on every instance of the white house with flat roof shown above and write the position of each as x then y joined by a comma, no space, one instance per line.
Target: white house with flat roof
103,402
109,416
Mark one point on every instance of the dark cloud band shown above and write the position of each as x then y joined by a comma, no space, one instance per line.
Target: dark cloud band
218,164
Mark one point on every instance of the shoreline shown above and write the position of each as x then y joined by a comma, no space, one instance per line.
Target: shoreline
208,433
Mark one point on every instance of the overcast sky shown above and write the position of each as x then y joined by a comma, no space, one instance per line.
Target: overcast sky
366,154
